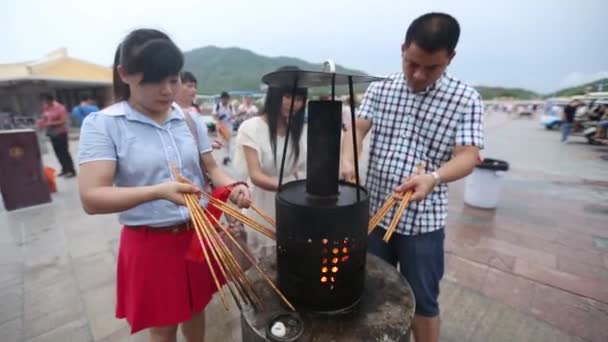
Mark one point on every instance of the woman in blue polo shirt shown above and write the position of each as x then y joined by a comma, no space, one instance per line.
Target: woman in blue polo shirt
125,155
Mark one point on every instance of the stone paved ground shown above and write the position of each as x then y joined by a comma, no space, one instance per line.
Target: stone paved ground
535,269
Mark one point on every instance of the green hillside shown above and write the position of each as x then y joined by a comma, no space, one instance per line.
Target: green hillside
489,93
582,89
219,69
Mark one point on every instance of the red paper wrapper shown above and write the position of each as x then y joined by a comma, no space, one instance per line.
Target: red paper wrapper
195,251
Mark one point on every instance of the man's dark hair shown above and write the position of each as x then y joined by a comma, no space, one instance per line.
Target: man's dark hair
224,95
187,76
85,97
433,32
46,97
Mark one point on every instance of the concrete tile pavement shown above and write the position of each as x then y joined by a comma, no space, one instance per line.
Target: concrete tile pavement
535,269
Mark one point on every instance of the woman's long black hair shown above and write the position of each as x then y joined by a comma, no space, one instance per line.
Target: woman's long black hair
146,51
272,109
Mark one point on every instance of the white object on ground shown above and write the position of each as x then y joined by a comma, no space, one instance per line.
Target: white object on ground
278,329
482,188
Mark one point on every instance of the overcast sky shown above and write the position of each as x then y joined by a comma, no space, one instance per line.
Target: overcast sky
541,45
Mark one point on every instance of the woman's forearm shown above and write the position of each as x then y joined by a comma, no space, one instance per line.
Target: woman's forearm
110,199
219,177
264,181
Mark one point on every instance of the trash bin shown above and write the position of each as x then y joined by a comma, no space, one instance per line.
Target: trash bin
482,187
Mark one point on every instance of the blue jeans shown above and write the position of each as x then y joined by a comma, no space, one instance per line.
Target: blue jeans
421,261
566,128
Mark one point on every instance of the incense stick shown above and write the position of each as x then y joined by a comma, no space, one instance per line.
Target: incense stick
264,215
405,200
254,263
376,219
236,214
228,265
204,248
197,215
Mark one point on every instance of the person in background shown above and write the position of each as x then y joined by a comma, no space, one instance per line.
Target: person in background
347,125
224,115
86,107
55,119
346,114
187,92
259,151
602,125
246,110
185,99
420,116
568,116
126,153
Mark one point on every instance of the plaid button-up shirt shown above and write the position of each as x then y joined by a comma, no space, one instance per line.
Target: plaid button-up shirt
409,128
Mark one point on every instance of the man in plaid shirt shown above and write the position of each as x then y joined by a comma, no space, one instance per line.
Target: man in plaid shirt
421,115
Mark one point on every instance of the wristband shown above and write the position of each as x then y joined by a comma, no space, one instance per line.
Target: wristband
233,185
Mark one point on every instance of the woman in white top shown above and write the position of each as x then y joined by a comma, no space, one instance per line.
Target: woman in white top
259,149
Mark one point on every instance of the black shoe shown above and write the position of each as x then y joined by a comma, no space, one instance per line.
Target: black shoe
226,161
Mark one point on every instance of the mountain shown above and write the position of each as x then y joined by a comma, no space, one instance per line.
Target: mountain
582,89
488,93
218,69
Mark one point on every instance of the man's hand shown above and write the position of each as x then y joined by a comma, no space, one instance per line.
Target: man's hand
422,185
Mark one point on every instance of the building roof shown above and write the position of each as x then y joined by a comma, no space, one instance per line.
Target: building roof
56,66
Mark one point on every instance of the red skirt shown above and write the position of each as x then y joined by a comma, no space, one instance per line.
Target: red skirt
155,284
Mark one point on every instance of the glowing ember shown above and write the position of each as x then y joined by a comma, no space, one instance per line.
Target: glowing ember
333,280
334,269
344,250
324,279
335,251
345,258
325,241
325,261
334,260
324,269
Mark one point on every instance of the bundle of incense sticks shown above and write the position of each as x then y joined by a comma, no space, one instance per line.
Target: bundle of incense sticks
216,252
388,205
238,215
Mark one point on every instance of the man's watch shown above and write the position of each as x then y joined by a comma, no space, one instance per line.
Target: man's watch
436,177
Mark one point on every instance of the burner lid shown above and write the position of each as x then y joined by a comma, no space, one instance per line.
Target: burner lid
309,79
295,193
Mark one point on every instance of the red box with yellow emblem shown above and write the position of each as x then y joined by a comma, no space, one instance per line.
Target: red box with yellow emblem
22,181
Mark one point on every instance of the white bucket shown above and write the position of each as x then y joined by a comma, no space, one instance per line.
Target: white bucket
482,187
